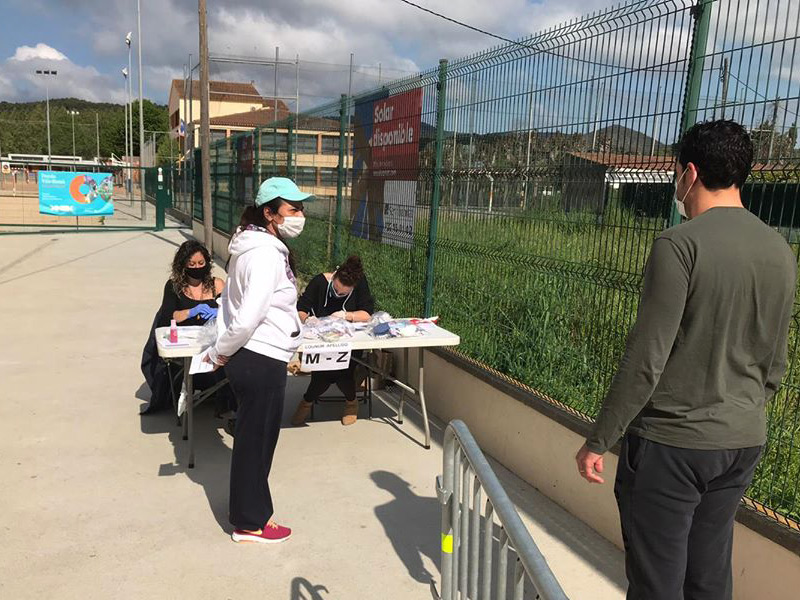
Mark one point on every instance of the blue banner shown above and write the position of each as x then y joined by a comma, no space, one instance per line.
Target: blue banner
74,194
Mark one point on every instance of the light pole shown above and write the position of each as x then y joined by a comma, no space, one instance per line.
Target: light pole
47,92
141,105
129,149
97,131
72,114
128,107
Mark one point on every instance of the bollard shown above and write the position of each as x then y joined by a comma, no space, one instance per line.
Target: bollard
162,200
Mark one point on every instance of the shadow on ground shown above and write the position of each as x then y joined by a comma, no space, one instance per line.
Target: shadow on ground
212,456
411,524
303,589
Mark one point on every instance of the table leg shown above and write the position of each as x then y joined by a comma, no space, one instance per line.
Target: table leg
421,392
369,389
184,418
402,391
190,411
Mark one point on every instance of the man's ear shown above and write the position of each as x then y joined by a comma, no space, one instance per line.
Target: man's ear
692,175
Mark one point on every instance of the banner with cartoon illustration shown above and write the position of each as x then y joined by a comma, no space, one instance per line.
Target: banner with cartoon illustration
72,194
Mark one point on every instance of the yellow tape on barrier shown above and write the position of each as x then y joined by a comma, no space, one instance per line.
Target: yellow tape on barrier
447,543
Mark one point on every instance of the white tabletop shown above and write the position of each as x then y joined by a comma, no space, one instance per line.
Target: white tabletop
361,340
188,344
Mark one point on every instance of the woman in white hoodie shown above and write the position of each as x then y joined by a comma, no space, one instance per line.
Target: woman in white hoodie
261,333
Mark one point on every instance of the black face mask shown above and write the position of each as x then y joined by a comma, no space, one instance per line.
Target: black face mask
198,272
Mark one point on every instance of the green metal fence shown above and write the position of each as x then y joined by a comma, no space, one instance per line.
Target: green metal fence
543,173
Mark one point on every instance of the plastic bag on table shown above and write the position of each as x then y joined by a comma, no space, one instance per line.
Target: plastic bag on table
208,333
327,329
379,317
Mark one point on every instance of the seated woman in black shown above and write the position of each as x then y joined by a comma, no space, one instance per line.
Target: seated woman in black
191,292
344,294
190,297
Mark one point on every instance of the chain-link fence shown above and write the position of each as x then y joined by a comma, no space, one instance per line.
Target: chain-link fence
516,192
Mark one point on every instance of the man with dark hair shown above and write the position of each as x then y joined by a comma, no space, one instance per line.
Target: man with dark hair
706,354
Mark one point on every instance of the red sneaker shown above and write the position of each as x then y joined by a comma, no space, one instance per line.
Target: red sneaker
271,534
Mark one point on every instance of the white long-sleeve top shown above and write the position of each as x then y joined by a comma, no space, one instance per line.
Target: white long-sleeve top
259,302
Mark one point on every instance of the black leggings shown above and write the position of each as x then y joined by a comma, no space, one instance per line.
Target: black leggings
345,380
259,385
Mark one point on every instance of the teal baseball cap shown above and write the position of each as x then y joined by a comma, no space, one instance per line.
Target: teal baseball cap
280,187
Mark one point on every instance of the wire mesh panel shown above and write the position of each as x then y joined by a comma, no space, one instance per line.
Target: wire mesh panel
750,62
387,216
314,142
522,207
556,150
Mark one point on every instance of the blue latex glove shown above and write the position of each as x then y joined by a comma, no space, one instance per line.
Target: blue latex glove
204,311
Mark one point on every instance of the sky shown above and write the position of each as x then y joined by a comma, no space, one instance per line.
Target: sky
85,41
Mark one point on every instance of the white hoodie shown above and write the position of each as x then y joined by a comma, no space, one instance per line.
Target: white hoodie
259,302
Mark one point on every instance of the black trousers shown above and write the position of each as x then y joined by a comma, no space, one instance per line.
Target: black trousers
223,398
345,380
677,507
259,385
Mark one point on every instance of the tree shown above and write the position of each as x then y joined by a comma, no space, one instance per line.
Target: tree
23,126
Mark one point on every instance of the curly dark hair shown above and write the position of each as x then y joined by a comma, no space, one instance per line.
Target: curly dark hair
722,152
351,271
178,275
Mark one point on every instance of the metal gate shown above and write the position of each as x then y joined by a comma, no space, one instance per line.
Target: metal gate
469,536
97,197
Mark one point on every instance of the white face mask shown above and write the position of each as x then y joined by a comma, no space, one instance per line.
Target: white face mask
291,227
681,204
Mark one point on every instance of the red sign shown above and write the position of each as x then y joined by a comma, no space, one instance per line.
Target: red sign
395,136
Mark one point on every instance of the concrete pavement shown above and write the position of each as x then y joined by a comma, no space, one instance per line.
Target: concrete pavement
97,502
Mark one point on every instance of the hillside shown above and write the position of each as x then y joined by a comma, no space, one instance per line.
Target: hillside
23,126
617,139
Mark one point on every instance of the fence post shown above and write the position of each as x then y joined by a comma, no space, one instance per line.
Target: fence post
161,200
337,229
701,14
289,147
256,164
433,223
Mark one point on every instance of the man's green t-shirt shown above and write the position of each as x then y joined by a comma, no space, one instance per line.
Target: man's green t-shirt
709,346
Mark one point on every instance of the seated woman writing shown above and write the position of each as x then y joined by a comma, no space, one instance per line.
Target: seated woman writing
190,298
344,294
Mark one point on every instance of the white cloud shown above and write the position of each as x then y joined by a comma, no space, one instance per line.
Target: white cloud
401,38
42,51
72,80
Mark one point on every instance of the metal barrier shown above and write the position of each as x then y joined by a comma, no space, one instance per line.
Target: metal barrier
468,552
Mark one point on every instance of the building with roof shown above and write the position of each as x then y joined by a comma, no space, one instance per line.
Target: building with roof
237,108
230,105
314,146
641,182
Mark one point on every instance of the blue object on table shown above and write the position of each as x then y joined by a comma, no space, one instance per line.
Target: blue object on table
381,329
204,311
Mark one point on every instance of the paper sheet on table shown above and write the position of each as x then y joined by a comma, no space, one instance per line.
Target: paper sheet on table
199,365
